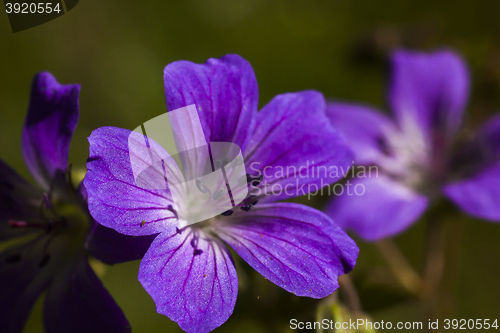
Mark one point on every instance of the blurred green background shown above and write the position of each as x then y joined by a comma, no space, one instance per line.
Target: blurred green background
117,51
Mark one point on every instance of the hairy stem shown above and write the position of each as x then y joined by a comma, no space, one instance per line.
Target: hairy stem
435,259
349,292
399,266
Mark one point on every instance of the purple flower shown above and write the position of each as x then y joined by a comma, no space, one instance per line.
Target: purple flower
47,233
189,271
417,152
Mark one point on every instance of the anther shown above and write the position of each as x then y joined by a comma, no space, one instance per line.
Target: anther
23,224
246,208
194,242
170,208
237,162
202,188
252,200
249,179
221,163
227,213
218,194
257,180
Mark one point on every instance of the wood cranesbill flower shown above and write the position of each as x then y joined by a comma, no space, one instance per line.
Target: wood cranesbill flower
188,270
47,233
417,152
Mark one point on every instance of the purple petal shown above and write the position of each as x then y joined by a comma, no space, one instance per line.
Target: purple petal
49,126
110,246
489,137
430,90
76,301
478,195
22,281
296,247
295,147
225,93
191,277
376,207
115,200
477,154
477,167
364,128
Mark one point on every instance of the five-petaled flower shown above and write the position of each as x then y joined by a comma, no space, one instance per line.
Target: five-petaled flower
417,154
46,234
188,270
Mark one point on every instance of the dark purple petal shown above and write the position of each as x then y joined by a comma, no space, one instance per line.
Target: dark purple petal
477,154
295,147
19,201
477,172
381,208
191,277
224,91
296,247
430,90
76,301
364,128
489,137
478,195
111,247
22,280
115,200
49,126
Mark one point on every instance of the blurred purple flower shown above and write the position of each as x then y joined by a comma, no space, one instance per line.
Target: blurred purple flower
189,271
418,154
47,232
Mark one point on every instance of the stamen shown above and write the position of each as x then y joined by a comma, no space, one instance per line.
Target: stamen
197,252
257,180
202,188
227,213
254,181
248,203
221,163
218,194
246,208
194,242
170,208
252,200
237,162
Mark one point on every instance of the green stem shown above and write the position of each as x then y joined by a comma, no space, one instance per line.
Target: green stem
399,266
435,259
350,294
